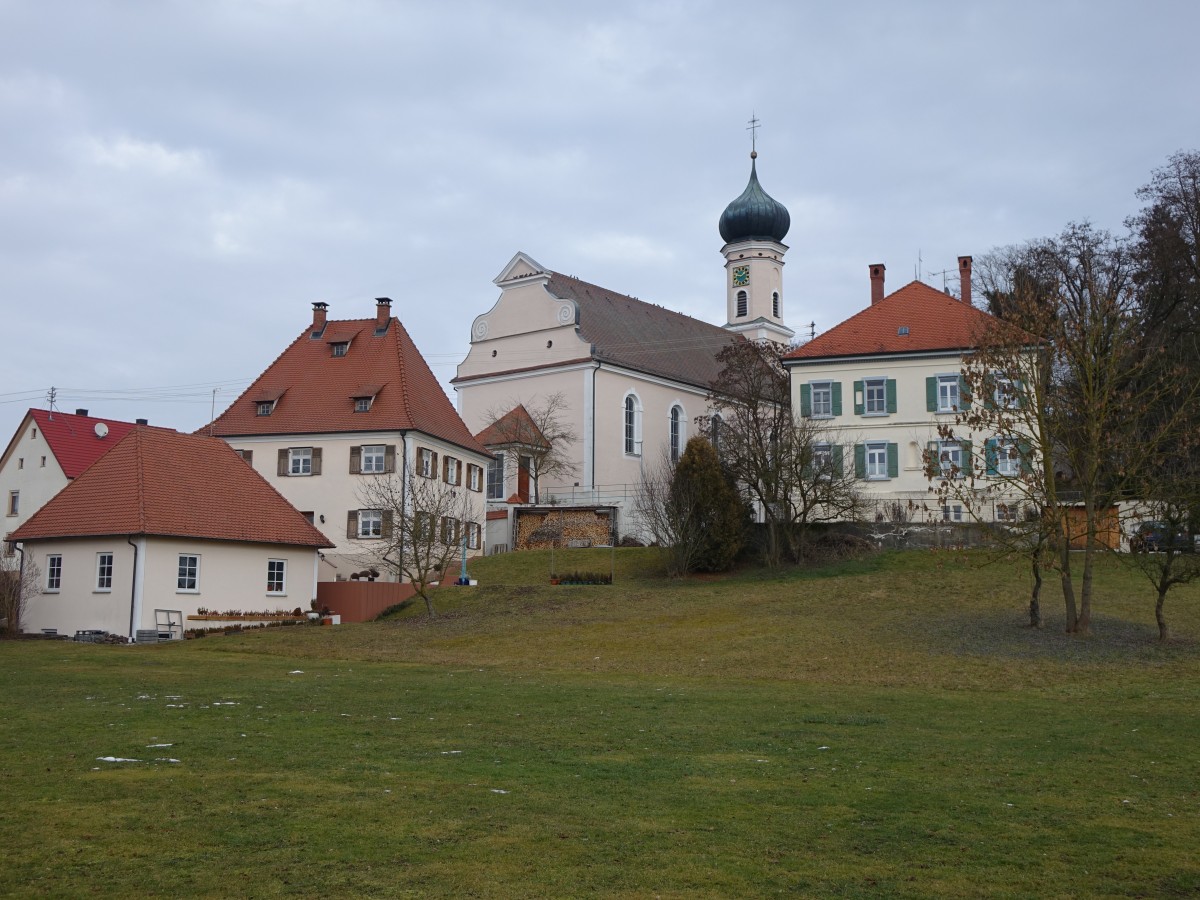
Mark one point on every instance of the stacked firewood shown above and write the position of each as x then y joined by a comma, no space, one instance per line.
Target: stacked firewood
568,528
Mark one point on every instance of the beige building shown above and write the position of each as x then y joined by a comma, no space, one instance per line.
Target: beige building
140,542
347,403
633,376
885,380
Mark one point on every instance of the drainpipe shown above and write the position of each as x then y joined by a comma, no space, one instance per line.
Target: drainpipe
20,584
135,591
403,502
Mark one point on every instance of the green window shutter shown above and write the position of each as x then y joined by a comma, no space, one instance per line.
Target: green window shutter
964,393
860,460
893,453
805,400
858,398
990,455
1025,451
931,397
891,396
967,466
356,460
352,524
282,468
836,455
836,391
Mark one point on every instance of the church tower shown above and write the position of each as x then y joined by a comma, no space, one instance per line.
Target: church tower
753,227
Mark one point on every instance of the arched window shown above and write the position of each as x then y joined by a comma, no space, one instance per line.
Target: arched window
715,438
775,304
676,433
633,426
741,304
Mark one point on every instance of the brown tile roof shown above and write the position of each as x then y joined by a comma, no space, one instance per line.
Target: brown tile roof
514,427
935,321
160,482
73,439
314,389
642,336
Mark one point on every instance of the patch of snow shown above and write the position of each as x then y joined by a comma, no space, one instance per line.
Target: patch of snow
822,748
155,746
296,672
498,791
165,759
115,759
450,752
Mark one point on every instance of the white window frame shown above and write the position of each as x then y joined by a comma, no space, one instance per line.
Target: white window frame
952,512
299,462
631,425
949,397
495,477
822,458
54,569
873,384
474,477
676,431
277,574
450,466
820,399
451,531
1008,457
264,407
950,454
1005,394
338,349
362,404
104,572
876,459
182,573
14,503
373,459
425,463
370,524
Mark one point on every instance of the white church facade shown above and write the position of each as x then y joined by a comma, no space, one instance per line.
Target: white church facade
633,377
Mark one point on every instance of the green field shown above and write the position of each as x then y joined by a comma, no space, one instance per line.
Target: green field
877,728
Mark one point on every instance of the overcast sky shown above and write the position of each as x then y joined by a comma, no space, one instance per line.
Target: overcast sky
180,180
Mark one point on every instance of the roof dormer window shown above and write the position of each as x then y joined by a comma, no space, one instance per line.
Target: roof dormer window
362,404
339,348
264,407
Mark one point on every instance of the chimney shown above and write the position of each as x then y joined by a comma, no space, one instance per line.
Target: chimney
383,313
81,412
876,282
141,421
964,274
319,312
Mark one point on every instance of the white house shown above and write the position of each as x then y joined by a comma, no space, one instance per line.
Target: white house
160,526
884,380
346,402
46,452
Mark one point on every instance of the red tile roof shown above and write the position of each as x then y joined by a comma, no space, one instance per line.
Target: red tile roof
160,482
935,321
73,439
514,427
314,389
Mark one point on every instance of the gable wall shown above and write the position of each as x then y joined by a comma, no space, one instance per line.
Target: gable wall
35,483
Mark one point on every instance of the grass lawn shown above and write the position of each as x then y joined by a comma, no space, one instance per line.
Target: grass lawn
878,728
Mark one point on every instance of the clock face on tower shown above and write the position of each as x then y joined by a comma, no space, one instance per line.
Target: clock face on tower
741,276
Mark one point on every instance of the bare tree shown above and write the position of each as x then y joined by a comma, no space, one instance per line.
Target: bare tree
415,527
788,466
17,584
540,431
1163,553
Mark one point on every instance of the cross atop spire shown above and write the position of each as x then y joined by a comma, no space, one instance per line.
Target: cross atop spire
752,126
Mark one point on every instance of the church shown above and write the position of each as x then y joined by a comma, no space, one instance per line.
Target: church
630,377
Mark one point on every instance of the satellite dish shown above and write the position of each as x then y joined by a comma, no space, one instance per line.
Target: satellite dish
101,430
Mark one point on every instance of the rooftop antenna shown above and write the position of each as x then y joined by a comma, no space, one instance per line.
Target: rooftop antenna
212,413
812,330
945,283
752,126
917,267
51,396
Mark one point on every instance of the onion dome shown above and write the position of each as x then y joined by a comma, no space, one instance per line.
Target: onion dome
755,214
